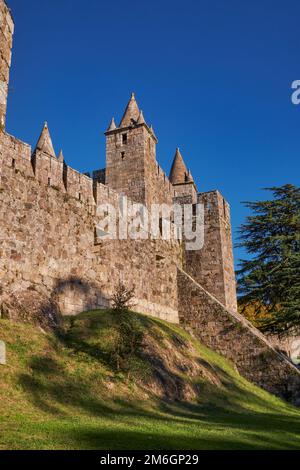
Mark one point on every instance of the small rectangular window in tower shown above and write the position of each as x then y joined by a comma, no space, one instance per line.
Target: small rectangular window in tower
124,139
79,196
122,155
13,163
49,181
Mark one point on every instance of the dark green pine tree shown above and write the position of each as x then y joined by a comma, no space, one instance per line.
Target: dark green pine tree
270,278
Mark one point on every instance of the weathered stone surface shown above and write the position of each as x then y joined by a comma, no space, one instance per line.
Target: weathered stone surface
131,165
48,242
213,266
31,306
2,353
234,337
6,35
288,343
52,261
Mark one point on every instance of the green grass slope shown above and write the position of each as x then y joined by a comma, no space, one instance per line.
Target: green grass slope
64,393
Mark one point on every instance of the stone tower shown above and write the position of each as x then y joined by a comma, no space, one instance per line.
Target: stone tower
131,155
6,33
213,265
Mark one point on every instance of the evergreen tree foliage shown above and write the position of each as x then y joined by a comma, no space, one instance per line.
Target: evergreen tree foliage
270,278
129,334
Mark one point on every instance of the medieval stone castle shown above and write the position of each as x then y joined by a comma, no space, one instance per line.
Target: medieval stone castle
51,259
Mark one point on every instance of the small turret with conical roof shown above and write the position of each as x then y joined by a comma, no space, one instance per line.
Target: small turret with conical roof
47,168
44,143
131,114
153,133
141,119
179,172
189,177
61,156
112,125
181,178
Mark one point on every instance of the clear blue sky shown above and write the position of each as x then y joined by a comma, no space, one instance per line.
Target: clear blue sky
213,77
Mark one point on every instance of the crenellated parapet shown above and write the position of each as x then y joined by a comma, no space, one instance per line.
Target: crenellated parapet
49,245
78,185
49,171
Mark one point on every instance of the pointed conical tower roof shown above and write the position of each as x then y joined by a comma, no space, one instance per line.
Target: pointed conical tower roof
179,172
141,119
45,143
112,125
189,177
61,156
132,113
153,133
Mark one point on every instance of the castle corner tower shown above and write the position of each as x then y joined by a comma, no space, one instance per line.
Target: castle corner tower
129,150
213,266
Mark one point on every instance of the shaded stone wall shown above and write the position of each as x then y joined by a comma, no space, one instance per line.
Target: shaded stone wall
6,37
48,243
213,266
227,254
234,337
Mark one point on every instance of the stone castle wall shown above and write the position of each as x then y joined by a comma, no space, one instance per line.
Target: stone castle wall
48,243
6,36
159,190
51,258
231,335
50,255
288,343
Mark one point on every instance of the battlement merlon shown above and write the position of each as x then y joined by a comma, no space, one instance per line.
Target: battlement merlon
215,196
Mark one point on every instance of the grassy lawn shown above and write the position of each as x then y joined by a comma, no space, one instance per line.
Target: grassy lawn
64,394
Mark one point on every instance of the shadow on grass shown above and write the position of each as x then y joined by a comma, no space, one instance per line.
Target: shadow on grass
223,421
